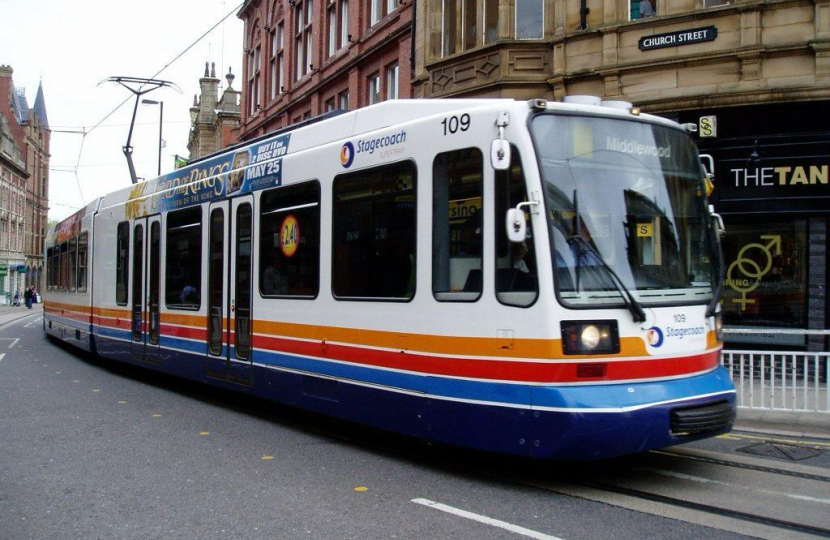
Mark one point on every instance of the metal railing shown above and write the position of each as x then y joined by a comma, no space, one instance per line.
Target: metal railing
780,380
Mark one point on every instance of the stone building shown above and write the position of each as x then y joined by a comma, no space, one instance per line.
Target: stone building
214,122
13,177
754,76
307,57
30,131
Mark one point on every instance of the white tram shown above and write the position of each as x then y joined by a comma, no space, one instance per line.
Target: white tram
533,278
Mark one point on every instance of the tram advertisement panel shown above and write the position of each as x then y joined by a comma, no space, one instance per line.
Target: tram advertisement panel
249,169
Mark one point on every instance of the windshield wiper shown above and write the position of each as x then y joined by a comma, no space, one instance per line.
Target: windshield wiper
583,249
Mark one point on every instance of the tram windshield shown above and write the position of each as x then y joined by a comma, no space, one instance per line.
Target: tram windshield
626,206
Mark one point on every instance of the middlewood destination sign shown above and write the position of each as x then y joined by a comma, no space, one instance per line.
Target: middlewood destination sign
674,39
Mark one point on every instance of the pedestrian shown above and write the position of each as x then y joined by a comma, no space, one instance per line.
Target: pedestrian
27,296
17,298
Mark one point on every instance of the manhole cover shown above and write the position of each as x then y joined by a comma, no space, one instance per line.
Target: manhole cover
781,451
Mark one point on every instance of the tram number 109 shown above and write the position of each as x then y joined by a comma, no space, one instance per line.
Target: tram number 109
454,124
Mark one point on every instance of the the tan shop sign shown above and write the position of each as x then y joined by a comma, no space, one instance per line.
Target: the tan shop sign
802,175
682,37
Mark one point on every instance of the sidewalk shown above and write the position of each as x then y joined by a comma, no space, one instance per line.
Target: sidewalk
9,314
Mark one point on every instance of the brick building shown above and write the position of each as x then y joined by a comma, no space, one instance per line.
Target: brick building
755,77
214,121
29,128
306,57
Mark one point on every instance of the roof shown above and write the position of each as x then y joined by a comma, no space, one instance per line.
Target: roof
20,106
40,107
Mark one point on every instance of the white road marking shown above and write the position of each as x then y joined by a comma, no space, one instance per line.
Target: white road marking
14,342
486,520
2,355
710,481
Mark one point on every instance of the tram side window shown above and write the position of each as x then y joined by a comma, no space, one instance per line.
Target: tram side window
516,277
374,233
83,250
64,261
183,266
50,271
122,268
289,243
457,239
72,270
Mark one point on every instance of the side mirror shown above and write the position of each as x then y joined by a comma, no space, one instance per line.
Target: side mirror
516,225
717,222
500,154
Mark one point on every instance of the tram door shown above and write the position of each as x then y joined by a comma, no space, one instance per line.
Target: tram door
146,282
230,271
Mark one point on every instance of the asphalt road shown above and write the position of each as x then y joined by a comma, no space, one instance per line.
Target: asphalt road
92,450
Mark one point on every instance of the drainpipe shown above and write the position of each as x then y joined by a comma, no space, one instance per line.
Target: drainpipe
583,14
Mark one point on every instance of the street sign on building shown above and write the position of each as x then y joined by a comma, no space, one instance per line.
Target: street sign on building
708,126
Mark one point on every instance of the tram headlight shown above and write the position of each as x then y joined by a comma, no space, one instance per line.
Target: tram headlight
719,326
590,337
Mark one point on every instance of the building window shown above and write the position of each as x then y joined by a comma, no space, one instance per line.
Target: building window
277,64
491,20
457,235
380,9
254,72
641,9
374,88
303,47
343,100
331,104
373,235
344,23
530,19
289,242
457,37
183,264
392,81
338,25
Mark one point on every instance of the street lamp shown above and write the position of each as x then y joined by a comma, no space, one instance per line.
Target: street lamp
161,120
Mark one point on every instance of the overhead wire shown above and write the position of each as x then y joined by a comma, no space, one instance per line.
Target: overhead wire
86,132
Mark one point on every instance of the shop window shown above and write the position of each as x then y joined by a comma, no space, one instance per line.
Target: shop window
642,9
530,19
289,242
374,234
516,277
766,279
122,268
183,264
457,234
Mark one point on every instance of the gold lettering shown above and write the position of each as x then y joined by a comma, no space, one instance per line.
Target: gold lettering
799,176
818,174
782,175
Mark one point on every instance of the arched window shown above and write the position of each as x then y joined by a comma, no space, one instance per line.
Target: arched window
254,69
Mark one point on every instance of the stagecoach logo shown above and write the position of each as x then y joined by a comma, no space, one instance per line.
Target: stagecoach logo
347,155
655,336
289,235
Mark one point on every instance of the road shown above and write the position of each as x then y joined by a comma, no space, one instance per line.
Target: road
96,450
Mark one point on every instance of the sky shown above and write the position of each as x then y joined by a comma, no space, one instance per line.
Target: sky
71,46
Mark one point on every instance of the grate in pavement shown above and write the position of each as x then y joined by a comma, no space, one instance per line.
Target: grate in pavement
791,452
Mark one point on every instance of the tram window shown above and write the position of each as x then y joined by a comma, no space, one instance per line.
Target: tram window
50,271
122,268
64,262
516,277
373,237
183,264
72,265
289,242
83,250
457,239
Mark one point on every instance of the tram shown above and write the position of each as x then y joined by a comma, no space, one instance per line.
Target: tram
532,278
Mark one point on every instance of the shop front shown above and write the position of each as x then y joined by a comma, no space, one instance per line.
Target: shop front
772,187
